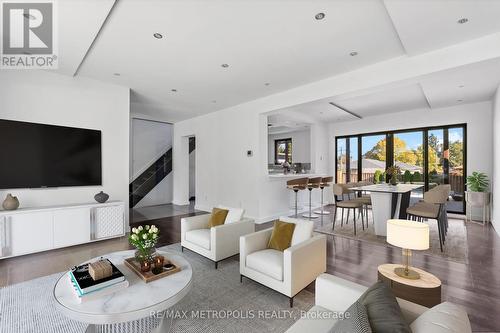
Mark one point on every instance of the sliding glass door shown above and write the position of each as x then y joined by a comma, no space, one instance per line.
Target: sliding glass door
430,156
373,148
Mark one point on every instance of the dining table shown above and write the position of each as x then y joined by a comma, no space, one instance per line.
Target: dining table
388,202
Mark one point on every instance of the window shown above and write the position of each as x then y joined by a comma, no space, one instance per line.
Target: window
429,155
282,151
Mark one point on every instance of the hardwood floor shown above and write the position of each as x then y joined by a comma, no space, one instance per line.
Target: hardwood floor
475,285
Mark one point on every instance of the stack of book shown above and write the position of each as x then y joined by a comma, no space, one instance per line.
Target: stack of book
85,288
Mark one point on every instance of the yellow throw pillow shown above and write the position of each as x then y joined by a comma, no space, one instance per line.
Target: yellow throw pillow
218,217
281,237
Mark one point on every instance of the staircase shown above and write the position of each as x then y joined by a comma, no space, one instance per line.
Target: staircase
151,177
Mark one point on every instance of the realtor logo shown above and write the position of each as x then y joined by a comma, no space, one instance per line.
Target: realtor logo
28,35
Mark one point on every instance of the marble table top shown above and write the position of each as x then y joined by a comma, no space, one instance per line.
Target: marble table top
387,188
139,300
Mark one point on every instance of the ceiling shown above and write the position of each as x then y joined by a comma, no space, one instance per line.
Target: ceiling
270,47
466,84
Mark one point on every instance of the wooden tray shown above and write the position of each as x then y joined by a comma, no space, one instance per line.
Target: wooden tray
147,277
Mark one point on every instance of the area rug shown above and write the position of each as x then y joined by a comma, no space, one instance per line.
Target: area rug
455,248
29,306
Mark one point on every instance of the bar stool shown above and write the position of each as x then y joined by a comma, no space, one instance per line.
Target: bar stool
325,182
339,191
297,185
312,184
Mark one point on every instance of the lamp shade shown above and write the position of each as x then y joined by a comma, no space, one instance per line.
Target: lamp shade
407,234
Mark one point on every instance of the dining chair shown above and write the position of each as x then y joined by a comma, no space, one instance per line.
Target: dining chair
339,191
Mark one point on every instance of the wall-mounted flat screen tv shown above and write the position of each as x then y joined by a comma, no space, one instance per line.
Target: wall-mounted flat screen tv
37,156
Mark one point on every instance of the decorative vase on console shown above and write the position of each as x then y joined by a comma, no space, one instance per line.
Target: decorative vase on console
10,203
394,172
101,197
144,239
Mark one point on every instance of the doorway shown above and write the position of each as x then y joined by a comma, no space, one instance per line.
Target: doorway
192,171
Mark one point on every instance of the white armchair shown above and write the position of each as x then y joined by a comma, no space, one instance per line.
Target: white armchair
219,242
287,272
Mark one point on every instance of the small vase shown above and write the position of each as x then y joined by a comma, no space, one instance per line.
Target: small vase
10,203
146,255
101,197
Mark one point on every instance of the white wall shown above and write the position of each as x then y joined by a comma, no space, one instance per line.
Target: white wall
301,143
43,97
150,140
496,162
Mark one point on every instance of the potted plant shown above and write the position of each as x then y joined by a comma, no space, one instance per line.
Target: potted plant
394,172
144,239
377,176
477,185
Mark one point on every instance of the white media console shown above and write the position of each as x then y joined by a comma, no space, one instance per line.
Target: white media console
31,230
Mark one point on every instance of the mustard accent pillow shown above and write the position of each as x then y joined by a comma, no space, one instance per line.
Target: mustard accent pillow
218,217
281,238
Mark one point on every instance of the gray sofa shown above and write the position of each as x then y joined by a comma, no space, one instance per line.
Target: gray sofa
334,295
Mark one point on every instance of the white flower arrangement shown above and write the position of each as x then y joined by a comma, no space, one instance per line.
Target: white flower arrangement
144,239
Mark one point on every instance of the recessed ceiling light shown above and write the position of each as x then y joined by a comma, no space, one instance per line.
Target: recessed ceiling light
267,83
463,20
214,101
321,112
225,65
116,74
319,16
174,90
353,53
460,100
157,35
461,86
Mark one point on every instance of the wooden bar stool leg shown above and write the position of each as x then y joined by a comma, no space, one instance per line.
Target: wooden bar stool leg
347,219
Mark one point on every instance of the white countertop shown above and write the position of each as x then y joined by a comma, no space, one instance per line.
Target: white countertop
387,188
294,175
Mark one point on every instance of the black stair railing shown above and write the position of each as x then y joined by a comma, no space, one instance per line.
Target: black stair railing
151,177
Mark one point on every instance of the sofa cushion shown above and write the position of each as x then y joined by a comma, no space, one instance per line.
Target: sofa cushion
355,320
218,217
234,214
303,229
281,237
200,237
316,320
383,310
443,318
268,262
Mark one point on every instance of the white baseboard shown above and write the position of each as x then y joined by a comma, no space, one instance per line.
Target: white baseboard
180,203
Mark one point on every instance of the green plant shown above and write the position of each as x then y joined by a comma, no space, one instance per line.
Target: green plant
377,176
144,240
416,177
407,176
477,182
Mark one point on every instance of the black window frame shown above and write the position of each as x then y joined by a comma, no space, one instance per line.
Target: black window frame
389,134
288,144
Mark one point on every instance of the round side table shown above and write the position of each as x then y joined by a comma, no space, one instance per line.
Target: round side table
425,291
138,308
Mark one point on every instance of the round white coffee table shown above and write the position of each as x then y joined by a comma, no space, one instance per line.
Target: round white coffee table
143,302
